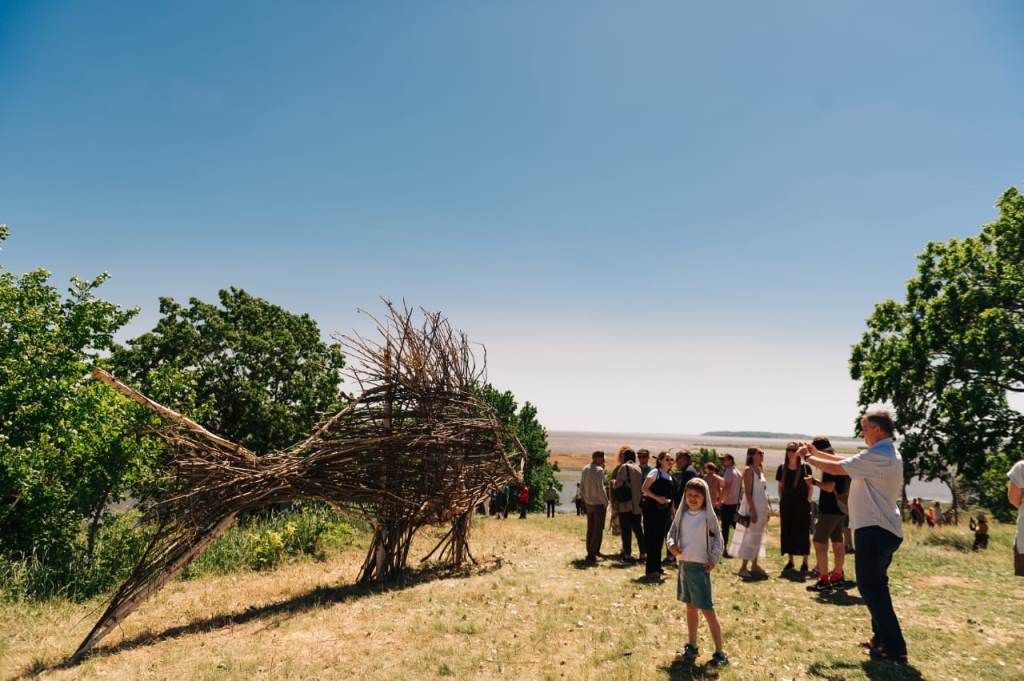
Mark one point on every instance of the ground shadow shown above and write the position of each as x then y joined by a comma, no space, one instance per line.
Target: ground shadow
839,597
583,564
318,597
682,670
794,575
876,670
648,580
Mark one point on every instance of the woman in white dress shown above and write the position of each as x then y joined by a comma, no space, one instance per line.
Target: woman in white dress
748,542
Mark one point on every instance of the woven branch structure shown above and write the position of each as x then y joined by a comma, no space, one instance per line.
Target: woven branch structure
418,446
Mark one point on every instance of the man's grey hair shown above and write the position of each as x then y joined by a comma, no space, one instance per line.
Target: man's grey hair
882,418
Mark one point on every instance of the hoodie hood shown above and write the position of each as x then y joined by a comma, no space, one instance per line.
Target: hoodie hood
714,534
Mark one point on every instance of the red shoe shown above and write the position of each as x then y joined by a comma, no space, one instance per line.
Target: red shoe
836,578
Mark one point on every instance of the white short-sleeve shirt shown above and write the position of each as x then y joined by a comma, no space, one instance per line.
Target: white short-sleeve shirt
876,485
1016,476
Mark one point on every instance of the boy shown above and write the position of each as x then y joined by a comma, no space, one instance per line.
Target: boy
695,539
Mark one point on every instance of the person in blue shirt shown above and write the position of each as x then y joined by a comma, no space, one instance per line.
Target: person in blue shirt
876,486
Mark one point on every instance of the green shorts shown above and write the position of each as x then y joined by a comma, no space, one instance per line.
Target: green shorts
695,586
829,526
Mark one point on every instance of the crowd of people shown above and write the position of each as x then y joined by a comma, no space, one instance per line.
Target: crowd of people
691,519
683,516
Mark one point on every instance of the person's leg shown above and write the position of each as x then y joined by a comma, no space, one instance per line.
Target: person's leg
728,518
715,628
839,552
1018,560
691,624
591,541
821,558
653,545
638,530
875,549
626,529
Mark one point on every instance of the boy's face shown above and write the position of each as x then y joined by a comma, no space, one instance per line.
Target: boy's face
694,500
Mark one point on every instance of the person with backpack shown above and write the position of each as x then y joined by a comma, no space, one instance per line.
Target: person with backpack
627,492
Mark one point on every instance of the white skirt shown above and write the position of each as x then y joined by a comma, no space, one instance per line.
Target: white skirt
748,542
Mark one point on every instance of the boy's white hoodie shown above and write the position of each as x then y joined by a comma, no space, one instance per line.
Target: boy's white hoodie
712,529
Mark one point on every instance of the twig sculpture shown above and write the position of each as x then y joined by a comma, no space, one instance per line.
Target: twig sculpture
417,447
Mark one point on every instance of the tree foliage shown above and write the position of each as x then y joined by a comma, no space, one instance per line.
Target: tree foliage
539,472
949,356
247,369
67,445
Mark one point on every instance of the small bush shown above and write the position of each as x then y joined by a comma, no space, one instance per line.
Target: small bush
263,542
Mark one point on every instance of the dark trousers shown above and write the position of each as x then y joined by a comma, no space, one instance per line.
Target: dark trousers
579,508
630,524
656,523
551,509
875,548
595,529
522,510
728,517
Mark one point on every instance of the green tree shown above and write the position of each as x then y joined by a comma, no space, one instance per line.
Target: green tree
539,471
67,445
248,370
949,356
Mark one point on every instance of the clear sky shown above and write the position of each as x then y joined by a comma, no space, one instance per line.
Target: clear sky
658,217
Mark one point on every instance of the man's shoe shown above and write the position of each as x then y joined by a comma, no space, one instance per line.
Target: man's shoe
690,652
821,585
718,659
836,578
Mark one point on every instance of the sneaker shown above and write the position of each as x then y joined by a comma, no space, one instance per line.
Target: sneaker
718,659
821,585
836,578
690,652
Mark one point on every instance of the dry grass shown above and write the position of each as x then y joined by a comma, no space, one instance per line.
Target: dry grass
531,615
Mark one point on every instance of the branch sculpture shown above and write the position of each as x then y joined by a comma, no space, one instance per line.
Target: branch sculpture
418,446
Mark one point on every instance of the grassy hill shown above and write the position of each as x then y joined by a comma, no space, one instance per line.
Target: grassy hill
534,613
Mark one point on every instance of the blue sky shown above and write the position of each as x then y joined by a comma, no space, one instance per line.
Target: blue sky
664,218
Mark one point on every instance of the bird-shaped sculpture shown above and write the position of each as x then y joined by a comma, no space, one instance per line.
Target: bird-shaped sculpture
417,446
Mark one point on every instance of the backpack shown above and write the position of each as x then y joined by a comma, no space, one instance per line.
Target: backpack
623,493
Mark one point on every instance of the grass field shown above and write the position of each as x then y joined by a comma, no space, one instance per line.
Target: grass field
531,611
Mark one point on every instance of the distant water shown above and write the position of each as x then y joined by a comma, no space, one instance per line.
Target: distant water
579,442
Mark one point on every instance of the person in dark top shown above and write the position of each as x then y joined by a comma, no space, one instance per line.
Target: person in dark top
831,520
657,512
794,507
682,473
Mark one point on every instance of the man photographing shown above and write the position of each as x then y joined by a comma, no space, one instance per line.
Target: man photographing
876,484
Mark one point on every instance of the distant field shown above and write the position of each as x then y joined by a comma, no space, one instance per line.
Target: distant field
530,612
572,450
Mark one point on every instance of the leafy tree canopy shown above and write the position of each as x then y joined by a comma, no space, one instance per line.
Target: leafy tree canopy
949,356
66,443
539,472
252,371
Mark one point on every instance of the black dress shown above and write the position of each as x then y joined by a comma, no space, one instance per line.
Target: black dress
794,510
